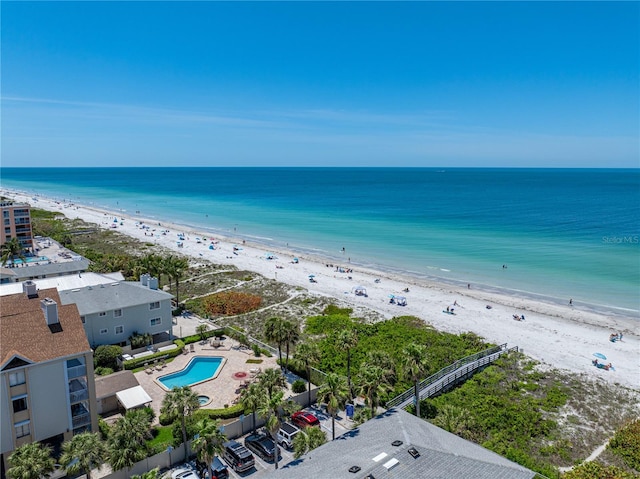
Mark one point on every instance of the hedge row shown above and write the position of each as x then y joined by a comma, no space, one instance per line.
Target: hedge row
226,413
136,363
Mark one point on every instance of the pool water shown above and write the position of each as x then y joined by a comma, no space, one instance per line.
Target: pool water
31,259
199,369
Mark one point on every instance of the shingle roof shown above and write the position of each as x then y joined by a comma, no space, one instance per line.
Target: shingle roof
94,299
24,331
113,383
441,454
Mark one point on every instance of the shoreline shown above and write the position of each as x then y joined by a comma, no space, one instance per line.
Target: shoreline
558,335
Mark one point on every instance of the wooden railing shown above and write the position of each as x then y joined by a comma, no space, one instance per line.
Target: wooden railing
450,375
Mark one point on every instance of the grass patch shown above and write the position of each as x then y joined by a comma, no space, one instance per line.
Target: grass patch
254,361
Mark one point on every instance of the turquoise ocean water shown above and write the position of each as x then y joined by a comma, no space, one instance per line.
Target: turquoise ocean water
562,233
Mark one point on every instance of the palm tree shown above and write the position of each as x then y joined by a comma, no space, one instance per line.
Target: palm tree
270,409
82,453
373,382
307,440
307,353
180,403
414,366
31,461
127,440
11,250
271,380
209,441
291,335
202,329
178,268
385,361
334,392
252,398
274,331
345,341
152,474
153,265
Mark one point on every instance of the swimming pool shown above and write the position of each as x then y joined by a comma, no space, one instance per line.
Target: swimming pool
198,370
30,259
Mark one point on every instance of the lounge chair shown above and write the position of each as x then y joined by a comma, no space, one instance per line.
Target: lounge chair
192,348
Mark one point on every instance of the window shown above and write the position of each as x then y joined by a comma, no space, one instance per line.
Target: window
104,331
19,403
7,230
17,378
83,319
154,305
156,321
119,329
103,313
5,213
7,222
22,428
117,313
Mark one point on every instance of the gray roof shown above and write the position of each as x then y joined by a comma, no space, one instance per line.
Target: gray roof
65,267
441,454
107,386
63,283
118,295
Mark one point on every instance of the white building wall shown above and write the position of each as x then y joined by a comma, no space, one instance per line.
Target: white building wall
134,319
49,403
6,413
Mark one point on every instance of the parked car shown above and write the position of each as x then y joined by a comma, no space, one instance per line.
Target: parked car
184,474
304,419
237,456
263,446
286,434
218,469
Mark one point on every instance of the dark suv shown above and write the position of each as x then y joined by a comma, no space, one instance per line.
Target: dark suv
263,446
237,456
219,470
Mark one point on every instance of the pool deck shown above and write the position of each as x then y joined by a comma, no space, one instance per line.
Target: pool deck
223,389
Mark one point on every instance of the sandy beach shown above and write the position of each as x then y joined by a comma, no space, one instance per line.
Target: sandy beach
560,336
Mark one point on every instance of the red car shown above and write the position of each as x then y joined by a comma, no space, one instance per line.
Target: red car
304,419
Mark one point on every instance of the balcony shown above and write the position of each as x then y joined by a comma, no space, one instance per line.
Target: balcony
81,420
76,371
78,396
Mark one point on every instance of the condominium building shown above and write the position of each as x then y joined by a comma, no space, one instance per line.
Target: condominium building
47,389
16,221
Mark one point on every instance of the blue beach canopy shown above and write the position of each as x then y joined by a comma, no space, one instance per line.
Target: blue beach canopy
599,355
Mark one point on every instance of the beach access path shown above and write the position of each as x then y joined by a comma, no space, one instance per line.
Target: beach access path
560,336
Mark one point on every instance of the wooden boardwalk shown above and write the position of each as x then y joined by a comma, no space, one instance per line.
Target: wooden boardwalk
451,375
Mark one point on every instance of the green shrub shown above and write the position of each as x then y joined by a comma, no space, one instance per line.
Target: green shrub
626,444
106,356
227,413
256,350
136,363
102,371
299,386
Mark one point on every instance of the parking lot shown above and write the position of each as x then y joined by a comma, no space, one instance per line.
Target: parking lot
286,455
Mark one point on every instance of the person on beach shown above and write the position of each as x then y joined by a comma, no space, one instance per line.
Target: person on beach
571,302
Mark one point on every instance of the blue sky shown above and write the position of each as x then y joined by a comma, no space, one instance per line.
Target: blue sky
320,84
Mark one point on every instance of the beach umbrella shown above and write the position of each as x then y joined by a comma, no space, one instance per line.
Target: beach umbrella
392,295
312,276
600,356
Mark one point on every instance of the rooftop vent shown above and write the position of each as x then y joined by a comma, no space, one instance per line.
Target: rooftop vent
414,452
30,289
369,476
354,469
153,283
144,279
391,463
50,310
380,457
396,443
